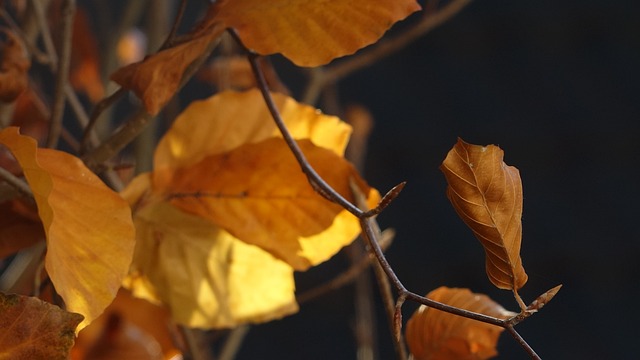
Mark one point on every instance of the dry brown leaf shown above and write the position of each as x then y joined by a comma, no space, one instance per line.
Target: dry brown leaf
33,329
487,194
311,32
90,234
258,193
156,79
206,277
14,64
436,335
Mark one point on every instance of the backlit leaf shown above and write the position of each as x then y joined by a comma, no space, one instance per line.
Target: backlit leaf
14,63
227,120
156,79
258,193
33,329
487,194
206,277
311,32
90,235
436,335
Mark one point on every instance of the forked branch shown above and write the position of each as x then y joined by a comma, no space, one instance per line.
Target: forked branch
367,221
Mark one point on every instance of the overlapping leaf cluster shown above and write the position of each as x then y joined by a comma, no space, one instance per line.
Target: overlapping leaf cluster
227,215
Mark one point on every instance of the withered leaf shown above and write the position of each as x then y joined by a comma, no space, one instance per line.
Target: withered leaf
207,277
487,195
156,79
436,335
311,32
258,193
90,234
33,329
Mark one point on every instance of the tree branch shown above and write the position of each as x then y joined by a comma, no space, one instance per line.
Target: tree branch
62,72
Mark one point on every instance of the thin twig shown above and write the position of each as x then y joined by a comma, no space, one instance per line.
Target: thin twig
330,74
174,29
522,342
47,39
314,179
233,342
132,128
98,109
35,53
345,277
18,184
62,72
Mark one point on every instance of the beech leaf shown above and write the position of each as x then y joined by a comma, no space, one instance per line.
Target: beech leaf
206,277
258,193
436,335
487,195
311,32
229,119
157,78
90,234
33,329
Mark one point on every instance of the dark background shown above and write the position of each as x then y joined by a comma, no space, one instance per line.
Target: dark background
556,85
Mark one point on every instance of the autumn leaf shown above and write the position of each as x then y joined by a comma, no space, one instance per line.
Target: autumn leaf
436,335
156,79
90,235
33,329
179,254
311,32
487,195
258,193
206,277
14,63
211,126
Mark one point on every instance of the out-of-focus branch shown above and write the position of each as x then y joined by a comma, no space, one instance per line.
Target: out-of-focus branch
68,10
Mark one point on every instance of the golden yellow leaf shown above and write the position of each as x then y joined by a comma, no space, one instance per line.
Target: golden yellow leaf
156,79
229,119
206,277
90,234
33,329
311,32
258,193
436,335
487,194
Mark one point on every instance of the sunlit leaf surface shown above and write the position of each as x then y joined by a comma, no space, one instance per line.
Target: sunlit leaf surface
90,234
327,30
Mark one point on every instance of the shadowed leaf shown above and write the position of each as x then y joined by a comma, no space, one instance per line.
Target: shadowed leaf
487,194
157,78
90,235
436,335
207,278
33,329
327,30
